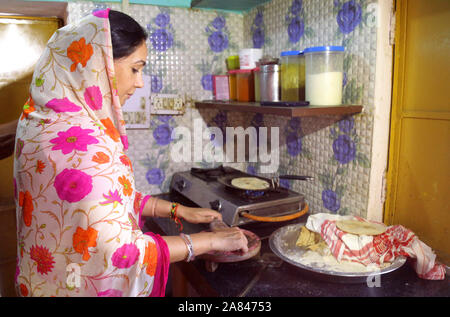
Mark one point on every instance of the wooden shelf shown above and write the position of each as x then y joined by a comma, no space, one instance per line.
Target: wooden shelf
309,111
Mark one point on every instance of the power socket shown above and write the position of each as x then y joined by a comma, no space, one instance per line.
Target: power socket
166,104
178,104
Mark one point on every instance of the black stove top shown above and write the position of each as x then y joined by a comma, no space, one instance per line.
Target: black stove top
211,174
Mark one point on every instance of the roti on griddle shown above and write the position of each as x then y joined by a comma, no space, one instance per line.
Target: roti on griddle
361,227
250,183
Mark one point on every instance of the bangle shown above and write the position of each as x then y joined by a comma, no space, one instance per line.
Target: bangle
173,215
152,208
187,239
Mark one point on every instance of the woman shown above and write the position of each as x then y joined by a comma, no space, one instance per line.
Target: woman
78,212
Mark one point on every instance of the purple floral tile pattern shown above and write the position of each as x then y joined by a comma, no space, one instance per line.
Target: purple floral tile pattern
162,127
349,15
156,163
207,81
294,143
296,24
221,121
258,29
218,37
294,21
251,169
156,83
345,152
155,176
207,69
217,34
257,122
162,134
294,139
162,42
161,31
331,200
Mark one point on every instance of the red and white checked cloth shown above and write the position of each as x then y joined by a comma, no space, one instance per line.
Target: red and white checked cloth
396,241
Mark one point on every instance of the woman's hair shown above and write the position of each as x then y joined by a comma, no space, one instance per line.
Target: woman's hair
126,34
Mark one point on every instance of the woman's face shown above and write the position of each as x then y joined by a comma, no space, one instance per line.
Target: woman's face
129,72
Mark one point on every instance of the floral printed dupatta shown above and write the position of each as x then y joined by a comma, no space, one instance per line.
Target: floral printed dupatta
78,212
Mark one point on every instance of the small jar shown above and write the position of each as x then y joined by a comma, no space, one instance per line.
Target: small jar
248,57
324,75
257,76
232,84
232,62
245,85
292,76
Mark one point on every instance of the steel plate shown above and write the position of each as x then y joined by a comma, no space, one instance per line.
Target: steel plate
282,243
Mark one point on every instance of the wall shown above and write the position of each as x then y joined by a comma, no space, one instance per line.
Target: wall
337,154
182,65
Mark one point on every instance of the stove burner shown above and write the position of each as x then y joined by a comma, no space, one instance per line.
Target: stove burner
258,195
211,174
252,194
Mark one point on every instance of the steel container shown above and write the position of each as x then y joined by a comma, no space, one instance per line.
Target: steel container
270,82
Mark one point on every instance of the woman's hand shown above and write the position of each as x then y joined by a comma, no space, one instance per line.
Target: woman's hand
229,239
225,239
197,215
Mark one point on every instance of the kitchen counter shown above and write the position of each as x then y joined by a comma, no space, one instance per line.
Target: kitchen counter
281,279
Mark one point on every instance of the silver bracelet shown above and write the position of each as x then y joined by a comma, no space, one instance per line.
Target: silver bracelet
187,239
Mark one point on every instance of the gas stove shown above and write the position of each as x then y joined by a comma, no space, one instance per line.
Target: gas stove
201,186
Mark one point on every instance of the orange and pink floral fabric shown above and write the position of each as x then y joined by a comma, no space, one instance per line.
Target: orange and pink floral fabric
77,205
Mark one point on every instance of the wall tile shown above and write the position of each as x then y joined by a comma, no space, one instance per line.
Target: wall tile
334,152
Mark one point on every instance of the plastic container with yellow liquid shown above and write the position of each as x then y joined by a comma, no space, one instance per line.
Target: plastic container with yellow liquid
292,76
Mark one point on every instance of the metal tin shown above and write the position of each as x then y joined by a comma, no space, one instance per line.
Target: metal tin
270,82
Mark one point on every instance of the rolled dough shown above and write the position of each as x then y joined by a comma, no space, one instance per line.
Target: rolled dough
360,227
250,183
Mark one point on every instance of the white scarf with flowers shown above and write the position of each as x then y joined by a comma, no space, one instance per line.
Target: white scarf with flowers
78,211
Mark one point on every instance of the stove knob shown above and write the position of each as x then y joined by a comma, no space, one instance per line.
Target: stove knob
180,184
215,204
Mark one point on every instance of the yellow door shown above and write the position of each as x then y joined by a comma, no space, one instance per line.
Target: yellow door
22,41
419,154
